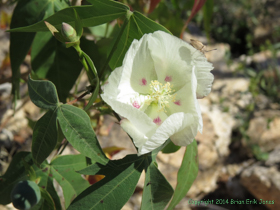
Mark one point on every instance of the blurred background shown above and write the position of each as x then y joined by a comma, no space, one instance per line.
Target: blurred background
239,151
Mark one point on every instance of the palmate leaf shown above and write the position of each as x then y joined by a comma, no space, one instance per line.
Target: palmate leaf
76,127
137,26
113,191
63,170
186,174
32,11
101,11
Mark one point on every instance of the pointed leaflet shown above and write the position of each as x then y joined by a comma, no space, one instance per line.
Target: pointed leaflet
63,170
113,191
157,190
42,93
137,26
32,11
51,60
76,127
101,11
186,174
44,137
48,203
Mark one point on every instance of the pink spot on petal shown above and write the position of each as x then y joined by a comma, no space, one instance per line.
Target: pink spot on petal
178,103
143,81
135,104
157,121
168,79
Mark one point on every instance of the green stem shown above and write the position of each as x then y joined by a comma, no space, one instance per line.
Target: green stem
84,62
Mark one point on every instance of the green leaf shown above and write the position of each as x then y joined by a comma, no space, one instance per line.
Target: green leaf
42,93
101,11
63,170
157,190
78,24
92,50
51,60
186,174
32,11
112,192
29,170
48,202
44,137
170,148
76,127
52,192
137,26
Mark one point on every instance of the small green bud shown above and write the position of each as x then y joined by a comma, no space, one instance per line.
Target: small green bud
69,33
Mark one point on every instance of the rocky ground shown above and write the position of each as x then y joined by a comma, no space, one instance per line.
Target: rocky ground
229,170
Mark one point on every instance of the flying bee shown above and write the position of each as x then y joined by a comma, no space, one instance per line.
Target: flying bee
199,46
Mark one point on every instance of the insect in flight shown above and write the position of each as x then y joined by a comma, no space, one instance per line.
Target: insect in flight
199,46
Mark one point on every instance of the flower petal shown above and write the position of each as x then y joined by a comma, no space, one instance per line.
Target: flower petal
122,104
172,58
187,135
138,68
204,76
173,124
139,138
143,70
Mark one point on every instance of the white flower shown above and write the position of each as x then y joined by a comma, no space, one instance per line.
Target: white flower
156,91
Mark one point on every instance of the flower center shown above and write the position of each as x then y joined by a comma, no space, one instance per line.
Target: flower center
160,94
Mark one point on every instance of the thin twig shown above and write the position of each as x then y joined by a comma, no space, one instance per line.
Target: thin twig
65,145
79,98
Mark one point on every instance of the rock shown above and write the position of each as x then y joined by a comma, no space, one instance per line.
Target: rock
205,182
264,132
263,183
14,123
207,151
222,122
274,157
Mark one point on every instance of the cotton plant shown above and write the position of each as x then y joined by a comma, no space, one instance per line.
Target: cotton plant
156,91
153,89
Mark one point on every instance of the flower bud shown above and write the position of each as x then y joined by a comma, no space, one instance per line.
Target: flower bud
69,33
